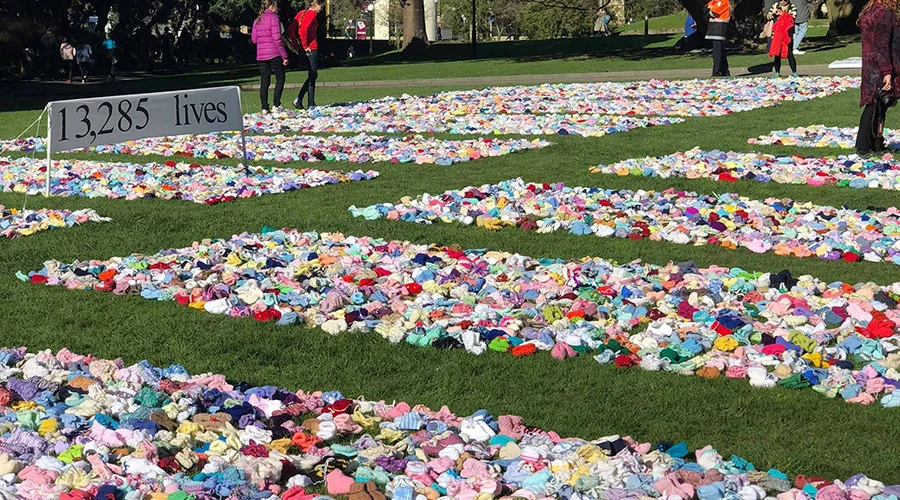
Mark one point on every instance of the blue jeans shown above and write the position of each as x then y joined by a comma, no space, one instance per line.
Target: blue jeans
799,33
309,86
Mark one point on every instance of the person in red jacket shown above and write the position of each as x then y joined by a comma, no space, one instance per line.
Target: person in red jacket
717,32
783,15
879,22
308,23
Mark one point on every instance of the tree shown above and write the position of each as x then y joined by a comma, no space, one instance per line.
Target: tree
457,14
652,8
538,21
341,12
414,37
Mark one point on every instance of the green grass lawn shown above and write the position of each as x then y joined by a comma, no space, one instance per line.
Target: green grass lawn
796,431
664,24
450,60
590,55
817,28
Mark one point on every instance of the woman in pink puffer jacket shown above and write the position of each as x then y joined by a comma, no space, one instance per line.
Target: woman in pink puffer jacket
270,53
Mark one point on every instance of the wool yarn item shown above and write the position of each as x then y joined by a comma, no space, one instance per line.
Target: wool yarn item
361,148
728,166
322,120
15,223
821,136
208,184
767,328
781,226
82,427
655,97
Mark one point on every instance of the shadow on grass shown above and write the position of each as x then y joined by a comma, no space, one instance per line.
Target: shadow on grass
523,50
30,94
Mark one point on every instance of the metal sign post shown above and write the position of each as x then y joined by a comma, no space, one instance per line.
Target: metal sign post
243,128
49,109
244,146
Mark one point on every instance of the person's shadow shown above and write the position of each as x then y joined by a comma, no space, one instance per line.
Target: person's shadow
761,68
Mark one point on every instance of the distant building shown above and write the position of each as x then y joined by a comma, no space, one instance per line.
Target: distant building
382,15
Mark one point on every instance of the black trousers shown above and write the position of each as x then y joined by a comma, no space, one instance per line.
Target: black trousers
720,59
266,69
110,65
309,86
871,129
792,61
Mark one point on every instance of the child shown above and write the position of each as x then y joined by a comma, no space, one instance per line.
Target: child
782,14
270,53
109,49
308,22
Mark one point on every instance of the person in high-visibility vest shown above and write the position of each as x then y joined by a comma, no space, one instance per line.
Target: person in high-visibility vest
717,31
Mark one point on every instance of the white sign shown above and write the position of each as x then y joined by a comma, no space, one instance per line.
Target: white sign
84,123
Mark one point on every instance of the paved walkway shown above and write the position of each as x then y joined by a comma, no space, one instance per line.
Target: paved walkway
483,81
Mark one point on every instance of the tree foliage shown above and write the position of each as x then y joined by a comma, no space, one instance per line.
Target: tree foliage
538,19
576,18
23,22
457,16
652,8
842,15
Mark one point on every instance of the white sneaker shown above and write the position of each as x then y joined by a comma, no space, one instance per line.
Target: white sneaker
264,111
799,52
277,109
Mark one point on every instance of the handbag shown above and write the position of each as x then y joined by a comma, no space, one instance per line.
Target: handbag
885,98
291,37
767,29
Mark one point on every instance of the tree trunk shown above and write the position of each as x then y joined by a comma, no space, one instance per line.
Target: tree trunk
842,16
414,37
697,10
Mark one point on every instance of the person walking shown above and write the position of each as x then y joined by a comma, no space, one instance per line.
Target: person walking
717,32
308,23
84,56
149,50
782,15
601,24
801,22
270,53
185,47
49,51
879,22
67,54
690,41
109,55
167,48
